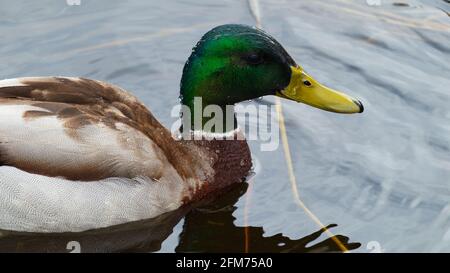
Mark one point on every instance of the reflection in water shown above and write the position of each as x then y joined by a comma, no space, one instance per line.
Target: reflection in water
208,227
211,229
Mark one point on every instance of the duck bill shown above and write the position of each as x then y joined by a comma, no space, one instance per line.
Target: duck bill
303,88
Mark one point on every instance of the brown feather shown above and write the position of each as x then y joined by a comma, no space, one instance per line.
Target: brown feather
79,102
33,114
232,163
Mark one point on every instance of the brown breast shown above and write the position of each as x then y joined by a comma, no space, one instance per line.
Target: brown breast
231,163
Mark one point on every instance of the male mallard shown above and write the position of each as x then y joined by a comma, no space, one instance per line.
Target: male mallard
79,154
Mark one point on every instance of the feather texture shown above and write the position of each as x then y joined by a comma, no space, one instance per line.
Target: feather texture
78,154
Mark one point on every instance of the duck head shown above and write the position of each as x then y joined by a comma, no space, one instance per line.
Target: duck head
234,63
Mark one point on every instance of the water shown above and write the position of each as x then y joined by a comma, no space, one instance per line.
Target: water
382,177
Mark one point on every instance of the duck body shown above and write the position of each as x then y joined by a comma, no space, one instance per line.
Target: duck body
79,154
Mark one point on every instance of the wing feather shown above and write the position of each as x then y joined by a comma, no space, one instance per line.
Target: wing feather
79,129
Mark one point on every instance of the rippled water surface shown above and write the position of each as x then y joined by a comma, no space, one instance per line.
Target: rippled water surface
381,179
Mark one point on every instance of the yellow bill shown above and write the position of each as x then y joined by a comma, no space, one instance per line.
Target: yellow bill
303,88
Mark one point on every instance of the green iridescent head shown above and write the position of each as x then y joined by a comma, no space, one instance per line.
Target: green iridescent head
234,63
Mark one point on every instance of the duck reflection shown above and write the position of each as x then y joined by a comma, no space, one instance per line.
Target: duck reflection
208,227
211,228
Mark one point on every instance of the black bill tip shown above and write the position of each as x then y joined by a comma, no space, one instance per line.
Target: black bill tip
360,105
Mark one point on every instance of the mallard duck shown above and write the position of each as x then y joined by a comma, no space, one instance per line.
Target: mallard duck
79,154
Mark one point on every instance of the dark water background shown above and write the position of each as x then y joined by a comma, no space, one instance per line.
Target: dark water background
383,177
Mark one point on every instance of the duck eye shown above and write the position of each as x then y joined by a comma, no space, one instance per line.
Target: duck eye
254,59
307,83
